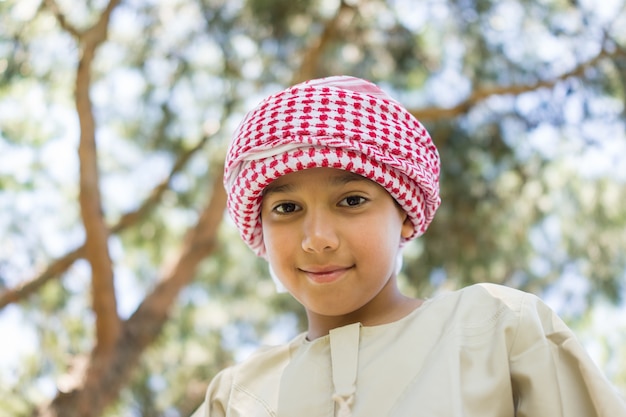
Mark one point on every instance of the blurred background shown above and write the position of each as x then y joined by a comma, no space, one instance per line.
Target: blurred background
123,286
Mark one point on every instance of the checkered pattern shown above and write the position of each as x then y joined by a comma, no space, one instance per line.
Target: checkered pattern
337,122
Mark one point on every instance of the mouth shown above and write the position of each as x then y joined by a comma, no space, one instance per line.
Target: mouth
325,275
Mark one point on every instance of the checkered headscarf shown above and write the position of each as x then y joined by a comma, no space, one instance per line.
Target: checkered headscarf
337,122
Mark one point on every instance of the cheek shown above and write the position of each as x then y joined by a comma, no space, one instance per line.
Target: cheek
277,241
377,242
268,238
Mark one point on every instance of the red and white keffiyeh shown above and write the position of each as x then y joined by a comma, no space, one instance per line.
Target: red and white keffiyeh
337,122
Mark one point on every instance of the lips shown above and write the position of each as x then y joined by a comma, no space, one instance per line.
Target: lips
326,274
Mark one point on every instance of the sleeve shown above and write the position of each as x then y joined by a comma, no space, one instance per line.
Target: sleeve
552,374
216,401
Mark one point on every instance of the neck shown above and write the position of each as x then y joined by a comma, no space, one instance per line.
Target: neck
388,306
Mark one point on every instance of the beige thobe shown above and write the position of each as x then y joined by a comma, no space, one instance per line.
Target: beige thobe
483,351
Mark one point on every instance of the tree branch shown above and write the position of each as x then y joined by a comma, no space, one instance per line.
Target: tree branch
60,17
104,301
98,33
62,264
31,286
310,60
133,217
104,378
434,114
198,243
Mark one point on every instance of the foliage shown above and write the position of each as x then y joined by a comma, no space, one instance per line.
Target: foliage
524,99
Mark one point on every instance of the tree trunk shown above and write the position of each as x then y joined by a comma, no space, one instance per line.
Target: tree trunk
108,371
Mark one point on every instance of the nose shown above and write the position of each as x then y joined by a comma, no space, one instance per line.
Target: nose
319,232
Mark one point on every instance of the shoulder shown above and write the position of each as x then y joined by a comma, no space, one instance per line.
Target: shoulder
482,309
525,317
527,306
251,383
260,368
492,315
483,301
268,357
487,290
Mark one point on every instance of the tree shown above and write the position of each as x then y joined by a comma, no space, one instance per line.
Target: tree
520,96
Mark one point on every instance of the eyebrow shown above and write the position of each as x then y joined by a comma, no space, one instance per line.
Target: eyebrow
277,189
343,179
346,177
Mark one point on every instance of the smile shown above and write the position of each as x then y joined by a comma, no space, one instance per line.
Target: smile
325,275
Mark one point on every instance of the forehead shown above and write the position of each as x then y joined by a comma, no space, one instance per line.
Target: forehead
328,176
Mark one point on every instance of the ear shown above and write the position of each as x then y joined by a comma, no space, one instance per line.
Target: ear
407,227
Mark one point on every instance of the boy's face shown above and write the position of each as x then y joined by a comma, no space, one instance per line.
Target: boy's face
332,237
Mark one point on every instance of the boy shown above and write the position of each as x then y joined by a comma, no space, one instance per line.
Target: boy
327,180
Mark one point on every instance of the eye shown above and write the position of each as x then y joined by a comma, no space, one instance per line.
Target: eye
286,208
353,201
